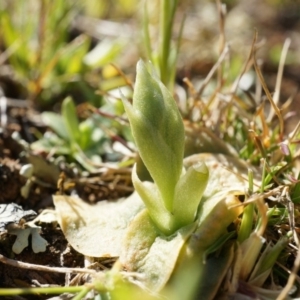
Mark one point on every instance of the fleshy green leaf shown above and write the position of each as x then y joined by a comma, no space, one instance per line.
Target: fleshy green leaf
56,123
226,173
188,193
70,119
148,191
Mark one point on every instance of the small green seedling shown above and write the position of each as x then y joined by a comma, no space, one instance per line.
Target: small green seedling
70,137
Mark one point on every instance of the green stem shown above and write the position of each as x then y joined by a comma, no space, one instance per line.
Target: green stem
147,39
168,8
263,176
82,293
250,181
247,223
42,290
172,65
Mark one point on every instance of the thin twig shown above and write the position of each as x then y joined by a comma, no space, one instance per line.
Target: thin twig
256,196
246,66
294,132
222,39
3,111
213,70
293,276
287,270
268,94
23,265
121,73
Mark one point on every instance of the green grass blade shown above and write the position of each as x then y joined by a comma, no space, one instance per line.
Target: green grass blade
247,223
168,8
70,119
146,37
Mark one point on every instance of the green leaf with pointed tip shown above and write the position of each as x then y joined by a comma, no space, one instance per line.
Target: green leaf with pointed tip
266,262
148,191
56,123
70,119
188,194
225,172
250,251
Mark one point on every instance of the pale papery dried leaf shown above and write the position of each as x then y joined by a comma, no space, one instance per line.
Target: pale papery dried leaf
96,230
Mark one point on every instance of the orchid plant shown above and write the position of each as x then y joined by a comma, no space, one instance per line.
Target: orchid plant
175,222
174,196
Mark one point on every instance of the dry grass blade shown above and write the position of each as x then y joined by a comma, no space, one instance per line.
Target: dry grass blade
279,76
269,96
235,84
213,70
294,272
293,134
190,86
291,279
246,66
264,195
222,39
121,73
262,208
265,128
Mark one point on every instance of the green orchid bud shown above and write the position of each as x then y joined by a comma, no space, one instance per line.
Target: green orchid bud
158,131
